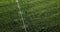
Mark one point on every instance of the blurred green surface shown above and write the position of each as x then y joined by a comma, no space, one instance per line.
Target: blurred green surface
39,16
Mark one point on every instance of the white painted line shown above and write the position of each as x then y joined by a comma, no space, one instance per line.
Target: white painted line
17,1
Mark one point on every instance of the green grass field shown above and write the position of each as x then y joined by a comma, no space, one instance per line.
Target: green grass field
39,16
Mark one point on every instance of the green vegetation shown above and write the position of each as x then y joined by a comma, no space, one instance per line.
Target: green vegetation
39,16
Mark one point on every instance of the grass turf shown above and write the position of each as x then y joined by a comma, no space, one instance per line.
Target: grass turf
39,16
